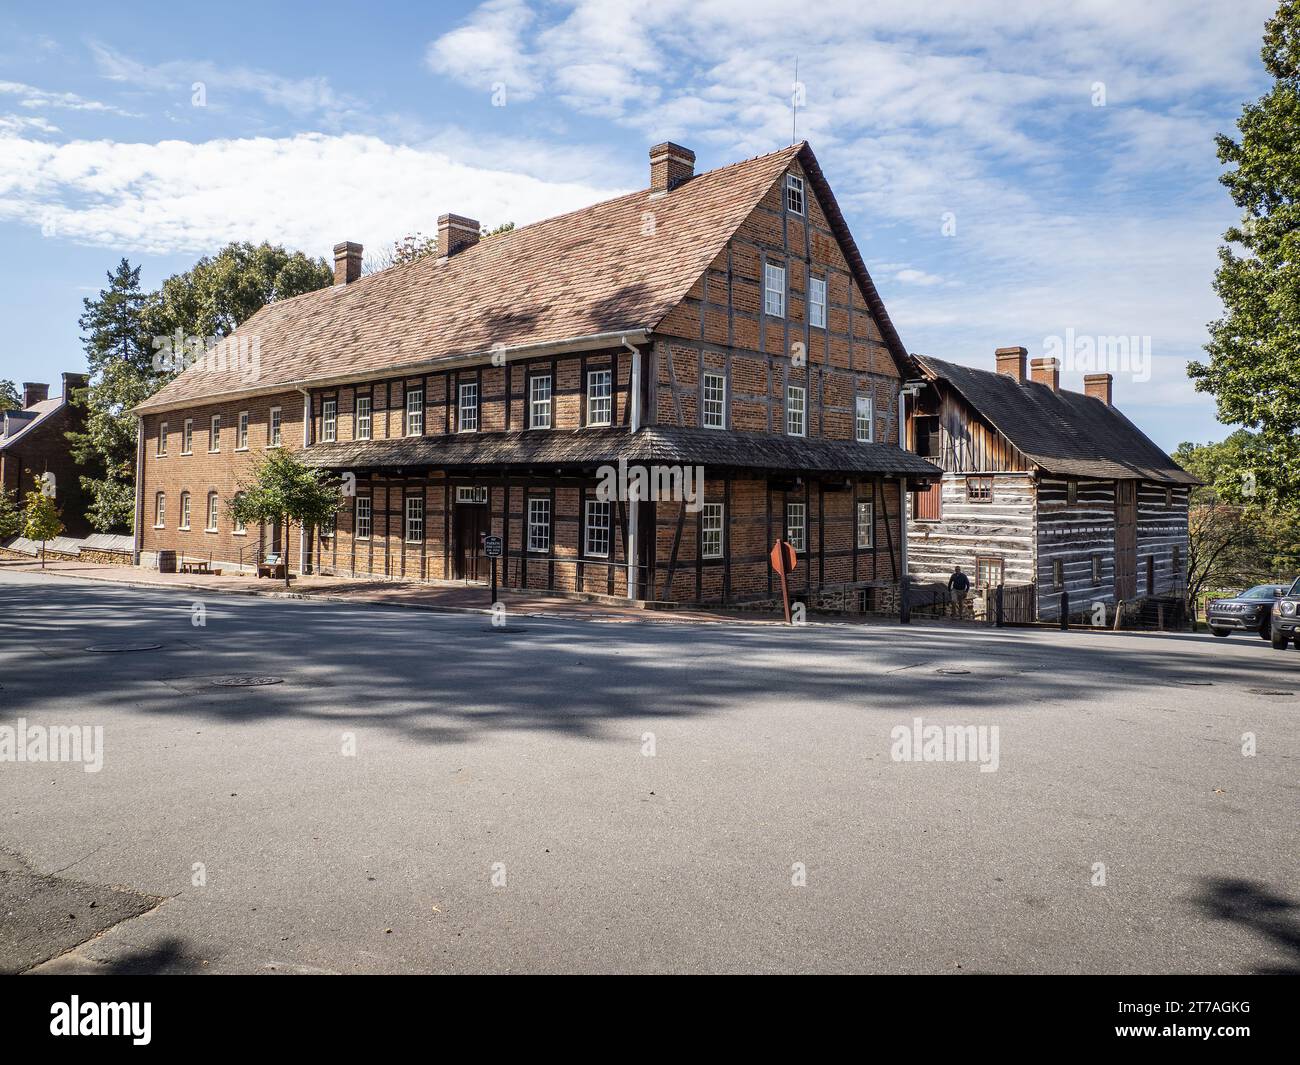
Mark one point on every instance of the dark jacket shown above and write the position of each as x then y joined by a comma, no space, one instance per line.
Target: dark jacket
959,582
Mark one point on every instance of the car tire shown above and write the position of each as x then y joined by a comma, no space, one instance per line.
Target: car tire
1221,632
1278,640
1265,631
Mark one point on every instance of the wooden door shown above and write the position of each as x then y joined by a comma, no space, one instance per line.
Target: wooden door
1125,539
471,525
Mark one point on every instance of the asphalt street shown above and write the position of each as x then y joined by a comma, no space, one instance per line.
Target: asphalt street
313,787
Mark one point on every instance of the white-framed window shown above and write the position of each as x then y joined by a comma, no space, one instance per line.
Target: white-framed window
597,545
214,507
796,527
160,510
817,302
241,432
273,429
865,523
714,401
185,511
415,412
600,397
796,422
414,519
794,193
774,290
539,402
363,417
329,420
329,526
162,440
214,433
467,408
471,493
863,420
362,525
187,436
539,524
239,529
711,531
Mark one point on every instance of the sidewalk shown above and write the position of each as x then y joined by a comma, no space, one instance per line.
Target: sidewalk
448,597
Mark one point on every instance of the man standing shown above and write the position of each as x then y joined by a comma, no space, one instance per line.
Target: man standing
958,586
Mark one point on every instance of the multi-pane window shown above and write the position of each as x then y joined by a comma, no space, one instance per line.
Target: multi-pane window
414,519
213,506
241,433
1177,560
1072,492
597,545
327,527
817,302
187,436
329,420
796,528
863,420
1058,574
1169,497
273,434
1096,567
794,193
467,407
363,418
362,524
715,401
160,510
988,572
774,290
185,510
162,439
795,410
238,522
979,489
415,412
711,531
539,524
214,433
539,402
865,524
600,397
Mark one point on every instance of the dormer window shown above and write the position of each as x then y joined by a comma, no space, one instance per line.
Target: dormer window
794,194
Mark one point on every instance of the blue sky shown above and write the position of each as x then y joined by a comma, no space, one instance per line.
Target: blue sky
1012,177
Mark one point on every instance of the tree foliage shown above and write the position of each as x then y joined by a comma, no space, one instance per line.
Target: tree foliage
284,489
1253,369
10,397
11,518
41,519
417,245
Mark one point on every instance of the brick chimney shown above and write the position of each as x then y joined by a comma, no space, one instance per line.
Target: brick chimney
456,233
347,262
34,393
1046,372
1098,385
1011,361
670,165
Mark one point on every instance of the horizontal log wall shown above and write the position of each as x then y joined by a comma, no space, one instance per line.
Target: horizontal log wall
1074,533
1162,527
1002,528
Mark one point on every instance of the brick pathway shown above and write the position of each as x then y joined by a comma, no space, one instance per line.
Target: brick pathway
441,596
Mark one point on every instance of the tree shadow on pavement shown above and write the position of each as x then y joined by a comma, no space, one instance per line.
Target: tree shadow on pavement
1258,909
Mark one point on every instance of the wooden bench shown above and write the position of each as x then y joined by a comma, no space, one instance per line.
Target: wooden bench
268,568
196,567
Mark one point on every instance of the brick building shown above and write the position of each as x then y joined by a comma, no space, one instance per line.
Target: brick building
33,443
722,320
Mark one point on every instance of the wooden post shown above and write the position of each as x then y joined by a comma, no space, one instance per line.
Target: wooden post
997,600
1065,610
904,604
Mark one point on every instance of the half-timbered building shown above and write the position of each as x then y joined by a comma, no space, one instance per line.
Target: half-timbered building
720,324
1042,487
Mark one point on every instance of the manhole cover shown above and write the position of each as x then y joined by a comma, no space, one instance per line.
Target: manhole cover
504,628
1195,683
1269,691
953,672
118,648
245,681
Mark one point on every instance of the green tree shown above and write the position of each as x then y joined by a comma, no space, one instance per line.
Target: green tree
10,398
284,490
1253,371
11,518
41,520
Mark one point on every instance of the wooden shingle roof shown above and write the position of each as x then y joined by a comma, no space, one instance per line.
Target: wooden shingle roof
1061,432
663,445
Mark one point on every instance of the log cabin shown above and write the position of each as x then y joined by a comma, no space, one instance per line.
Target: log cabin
1042,487
723,321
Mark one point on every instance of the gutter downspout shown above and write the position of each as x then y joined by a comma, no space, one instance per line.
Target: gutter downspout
634,418
138,529
306,443
904,394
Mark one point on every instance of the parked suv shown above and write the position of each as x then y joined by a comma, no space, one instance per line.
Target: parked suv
1249,612
1286,618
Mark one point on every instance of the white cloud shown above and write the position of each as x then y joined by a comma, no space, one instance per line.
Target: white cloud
917,277
31,96
489,49
308,191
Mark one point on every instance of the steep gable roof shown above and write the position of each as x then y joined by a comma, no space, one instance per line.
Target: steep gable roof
1061,432
16,424
600,270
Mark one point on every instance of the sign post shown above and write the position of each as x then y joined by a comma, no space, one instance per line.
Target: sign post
784,561
492,550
